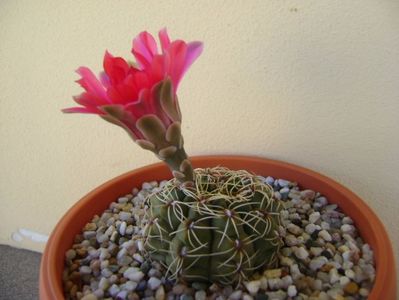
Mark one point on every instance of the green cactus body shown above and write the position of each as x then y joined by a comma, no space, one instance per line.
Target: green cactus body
222,229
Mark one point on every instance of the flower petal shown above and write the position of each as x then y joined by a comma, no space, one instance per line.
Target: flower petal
144,48
194,50
164,39
91,84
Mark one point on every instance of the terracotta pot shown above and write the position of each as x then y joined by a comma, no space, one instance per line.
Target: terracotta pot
370,227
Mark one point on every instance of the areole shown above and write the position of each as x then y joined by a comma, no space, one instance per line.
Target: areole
370,227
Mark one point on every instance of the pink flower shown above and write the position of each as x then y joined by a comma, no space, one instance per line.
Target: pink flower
124,93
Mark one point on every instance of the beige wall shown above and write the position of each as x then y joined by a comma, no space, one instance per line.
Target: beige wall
311,82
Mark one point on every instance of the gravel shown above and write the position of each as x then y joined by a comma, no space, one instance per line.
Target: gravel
323,256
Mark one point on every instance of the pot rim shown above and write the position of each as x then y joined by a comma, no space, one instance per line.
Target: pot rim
371,228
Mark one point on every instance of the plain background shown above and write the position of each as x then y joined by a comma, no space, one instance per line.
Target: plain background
314,83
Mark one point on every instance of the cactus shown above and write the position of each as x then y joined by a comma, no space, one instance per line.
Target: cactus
222,229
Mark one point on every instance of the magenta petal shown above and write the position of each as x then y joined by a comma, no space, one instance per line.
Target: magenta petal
145,45
194,50
164,38
90,82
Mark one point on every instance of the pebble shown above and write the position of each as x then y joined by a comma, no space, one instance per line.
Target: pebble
317,263
133,274
160,293
153,283
252,286
314,217
272,273
291,291
89,297
235,295
301,253
325,235
200,295
294,229
351,288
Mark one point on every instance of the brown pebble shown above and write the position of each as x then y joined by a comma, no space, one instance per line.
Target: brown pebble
74,267
326,268
74,290
351,288
82,252
122,280
90,227
68,285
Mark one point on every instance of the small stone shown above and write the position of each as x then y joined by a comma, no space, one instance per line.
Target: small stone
316,251
130,286
114,290
343,281
301,253
186,297
314,217
310,228
272,273
160,293
363,292
291,240
351,288
89,297
294,229
133,274
178,289
123,215
269,180
317,263
104,283
121,295
70,254
200,295
334,276
122,228
325,235
274,283
292,291
286,261
247,297
283,183
347,228
252,286
153,283
85,270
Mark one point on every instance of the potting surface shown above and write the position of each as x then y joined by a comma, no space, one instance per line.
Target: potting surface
19,273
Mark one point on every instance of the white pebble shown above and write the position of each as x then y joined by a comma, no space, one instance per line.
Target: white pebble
122,228
310,228
347,228
200,295
283,183
344,280
252,286
314,217
133,274
85,270
153,283
234,296
292,291
294,229
325,235
301,253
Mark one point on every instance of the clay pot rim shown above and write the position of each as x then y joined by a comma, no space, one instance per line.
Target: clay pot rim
372,230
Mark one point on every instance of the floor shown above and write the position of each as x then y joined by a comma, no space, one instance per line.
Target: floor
19,274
